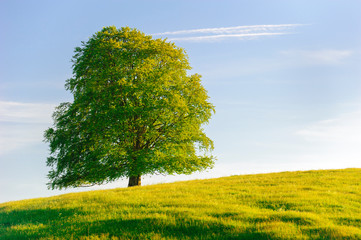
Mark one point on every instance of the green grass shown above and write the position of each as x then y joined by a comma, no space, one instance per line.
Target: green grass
290,205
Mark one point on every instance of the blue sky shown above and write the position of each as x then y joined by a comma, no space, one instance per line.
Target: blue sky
285,78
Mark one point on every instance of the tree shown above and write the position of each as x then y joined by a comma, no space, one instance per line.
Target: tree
135,111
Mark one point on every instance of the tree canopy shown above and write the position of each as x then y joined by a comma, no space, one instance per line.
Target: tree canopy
135,111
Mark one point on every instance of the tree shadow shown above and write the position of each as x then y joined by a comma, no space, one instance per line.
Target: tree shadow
70,224
34,223
149,228
57,223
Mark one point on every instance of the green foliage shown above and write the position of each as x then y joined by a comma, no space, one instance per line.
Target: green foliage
135,112
290,205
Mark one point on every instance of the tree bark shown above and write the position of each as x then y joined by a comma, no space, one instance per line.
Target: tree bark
135,181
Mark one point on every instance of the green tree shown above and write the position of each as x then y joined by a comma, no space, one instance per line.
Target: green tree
135,111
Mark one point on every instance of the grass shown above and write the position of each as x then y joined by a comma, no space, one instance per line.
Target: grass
290,205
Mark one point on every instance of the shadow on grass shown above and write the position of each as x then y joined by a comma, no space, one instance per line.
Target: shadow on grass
32,224
68,224
77,224
149,228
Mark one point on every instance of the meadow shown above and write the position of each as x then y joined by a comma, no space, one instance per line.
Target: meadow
323,204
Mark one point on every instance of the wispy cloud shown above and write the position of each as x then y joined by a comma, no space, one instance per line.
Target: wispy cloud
333,142
14,137
224,36
323,56
23,124
25,112
343,130
239,32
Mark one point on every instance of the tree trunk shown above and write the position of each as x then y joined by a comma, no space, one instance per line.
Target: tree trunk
135,181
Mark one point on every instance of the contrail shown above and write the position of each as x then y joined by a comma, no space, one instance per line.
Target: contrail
241,32
232,29
224,36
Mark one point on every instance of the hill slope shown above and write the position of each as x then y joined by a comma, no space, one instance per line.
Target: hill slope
291,205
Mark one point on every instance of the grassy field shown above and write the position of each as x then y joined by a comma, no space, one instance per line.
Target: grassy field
289,205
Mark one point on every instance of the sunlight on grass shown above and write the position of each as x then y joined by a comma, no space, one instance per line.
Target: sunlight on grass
290,205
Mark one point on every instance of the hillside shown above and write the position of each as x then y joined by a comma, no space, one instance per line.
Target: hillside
290,205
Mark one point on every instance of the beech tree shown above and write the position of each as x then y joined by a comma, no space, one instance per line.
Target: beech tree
135,111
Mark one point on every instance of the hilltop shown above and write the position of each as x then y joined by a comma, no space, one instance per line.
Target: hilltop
322,204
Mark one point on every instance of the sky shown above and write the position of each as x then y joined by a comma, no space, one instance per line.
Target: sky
285,78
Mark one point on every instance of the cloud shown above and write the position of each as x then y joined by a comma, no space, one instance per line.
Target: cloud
334,141
224,36
240,32
232,30
23,124
26,112
343,130
14,137
324,56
